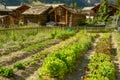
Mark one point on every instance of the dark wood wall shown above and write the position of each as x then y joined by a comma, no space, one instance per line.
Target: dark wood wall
16,15
40,19
112,8
63,16
77,19
5,21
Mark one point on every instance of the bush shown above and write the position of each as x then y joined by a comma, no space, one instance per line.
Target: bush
19,65
6,72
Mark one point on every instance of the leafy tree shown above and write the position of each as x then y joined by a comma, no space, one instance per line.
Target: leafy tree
36,3
73,5
103,12
117,2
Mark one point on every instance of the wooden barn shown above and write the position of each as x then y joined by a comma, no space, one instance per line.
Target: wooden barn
37,15
16,14
88,12
4,21
66,16
92,11
4,15
112,9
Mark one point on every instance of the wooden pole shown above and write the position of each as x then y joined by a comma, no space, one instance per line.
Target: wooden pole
66,17
70,22
55,16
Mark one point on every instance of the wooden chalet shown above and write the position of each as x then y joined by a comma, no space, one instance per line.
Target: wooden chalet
4,18
90,12
112,8
16,15
37,15
66,16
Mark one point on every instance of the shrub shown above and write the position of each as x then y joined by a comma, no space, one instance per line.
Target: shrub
7,72
19,65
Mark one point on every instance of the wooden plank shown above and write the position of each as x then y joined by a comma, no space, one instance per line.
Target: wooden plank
70,21
66,17
55,16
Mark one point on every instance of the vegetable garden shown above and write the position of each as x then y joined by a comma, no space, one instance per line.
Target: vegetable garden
52,54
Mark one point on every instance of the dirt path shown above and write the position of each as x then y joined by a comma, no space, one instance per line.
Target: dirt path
117,66
116,58
79,69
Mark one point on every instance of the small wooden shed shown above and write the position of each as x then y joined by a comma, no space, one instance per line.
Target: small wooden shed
37,15
88,11
4,15
16,13
4,21
112,9
66,16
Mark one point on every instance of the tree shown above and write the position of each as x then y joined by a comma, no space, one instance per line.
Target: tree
103,12
117,2
37,3
73,5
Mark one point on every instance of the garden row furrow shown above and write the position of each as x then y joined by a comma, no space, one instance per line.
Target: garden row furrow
101,66
24,59
28,51
14,40
116,46
34,63
22,45
60,62
82,62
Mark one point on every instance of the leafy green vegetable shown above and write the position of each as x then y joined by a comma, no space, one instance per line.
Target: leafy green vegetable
19,65
7,72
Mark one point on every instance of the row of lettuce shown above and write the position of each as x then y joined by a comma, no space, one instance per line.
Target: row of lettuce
60,62
101,66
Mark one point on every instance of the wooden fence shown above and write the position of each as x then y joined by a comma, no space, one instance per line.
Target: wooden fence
89,29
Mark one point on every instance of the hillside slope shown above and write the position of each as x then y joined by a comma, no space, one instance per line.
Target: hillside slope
80,3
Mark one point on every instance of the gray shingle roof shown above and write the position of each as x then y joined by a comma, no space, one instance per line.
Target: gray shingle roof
36,10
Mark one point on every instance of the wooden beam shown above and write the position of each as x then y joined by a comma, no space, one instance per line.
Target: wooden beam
55,16
70,22
66,17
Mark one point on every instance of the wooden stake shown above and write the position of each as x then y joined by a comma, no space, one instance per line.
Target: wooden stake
55,16
66,17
